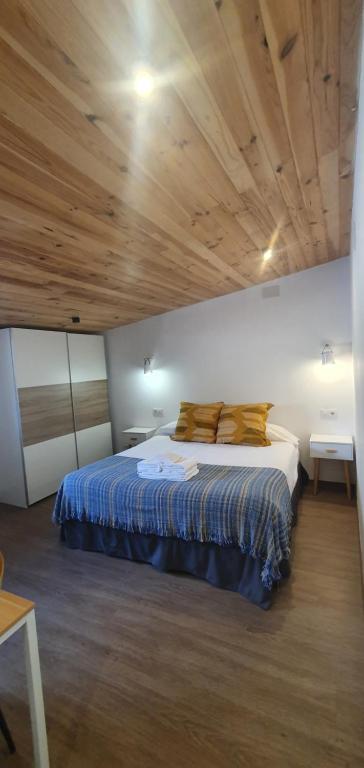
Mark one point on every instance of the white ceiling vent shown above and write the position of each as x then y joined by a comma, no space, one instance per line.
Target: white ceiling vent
271,291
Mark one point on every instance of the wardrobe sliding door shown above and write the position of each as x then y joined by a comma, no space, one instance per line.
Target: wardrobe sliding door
90,397
42,379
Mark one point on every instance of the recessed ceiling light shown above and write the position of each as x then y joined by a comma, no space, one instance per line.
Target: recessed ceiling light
143,83
267,254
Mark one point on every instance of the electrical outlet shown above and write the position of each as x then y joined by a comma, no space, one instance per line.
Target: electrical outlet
328,413
158,412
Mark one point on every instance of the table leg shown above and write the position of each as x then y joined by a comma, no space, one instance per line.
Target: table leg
35,694
347,479
6,733
316,475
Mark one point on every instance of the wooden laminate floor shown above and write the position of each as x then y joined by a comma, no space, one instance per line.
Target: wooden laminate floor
149,670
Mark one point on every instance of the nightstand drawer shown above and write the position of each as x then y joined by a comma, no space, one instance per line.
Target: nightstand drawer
136,439
342,451
136,435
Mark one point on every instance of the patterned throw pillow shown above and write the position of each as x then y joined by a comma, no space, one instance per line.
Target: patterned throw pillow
197,423
239,424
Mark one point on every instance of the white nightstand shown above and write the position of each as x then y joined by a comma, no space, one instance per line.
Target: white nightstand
332,447
136,435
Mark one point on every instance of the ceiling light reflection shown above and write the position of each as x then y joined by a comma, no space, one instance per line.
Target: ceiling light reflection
143,83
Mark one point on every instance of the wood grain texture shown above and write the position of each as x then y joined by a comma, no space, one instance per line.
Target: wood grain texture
142,668
45,412
116,208
90,403
12,609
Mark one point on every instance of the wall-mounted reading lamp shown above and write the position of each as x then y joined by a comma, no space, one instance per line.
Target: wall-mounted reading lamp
327,354
148,365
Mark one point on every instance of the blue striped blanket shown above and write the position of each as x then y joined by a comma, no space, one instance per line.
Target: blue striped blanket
242,506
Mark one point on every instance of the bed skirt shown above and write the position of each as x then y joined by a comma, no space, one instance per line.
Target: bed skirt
226,567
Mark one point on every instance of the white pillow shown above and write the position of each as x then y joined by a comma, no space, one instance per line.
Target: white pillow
275,433
278,434
167,429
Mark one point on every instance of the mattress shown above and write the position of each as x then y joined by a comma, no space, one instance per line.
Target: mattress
279,455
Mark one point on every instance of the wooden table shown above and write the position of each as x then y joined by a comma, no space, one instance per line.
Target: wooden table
16,613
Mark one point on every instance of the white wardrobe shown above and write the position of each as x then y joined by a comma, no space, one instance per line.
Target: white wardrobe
54,412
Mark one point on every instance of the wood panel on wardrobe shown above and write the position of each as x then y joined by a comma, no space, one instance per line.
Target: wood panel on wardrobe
46,412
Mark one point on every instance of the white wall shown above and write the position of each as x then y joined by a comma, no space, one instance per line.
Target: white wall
244,348
357,245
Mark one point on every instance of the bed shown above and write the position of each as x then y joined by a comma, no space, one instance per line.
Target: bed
230,525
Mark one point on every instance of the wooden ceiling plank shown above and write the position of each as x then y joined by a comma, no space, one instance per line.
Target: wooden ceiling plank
106,150
133,225
170,176
60,289
61,286
30,36
113,265
202,28
118,208
151,291
103,317
274,211
63,274
50,315
245,33
286,42
79,131
166,40
107,232
69,222
321,25
137,196
251,214
195,93
350,35
181,143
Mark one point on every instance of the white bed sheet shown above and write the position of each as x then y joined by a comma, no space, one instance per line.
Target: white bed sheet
283,456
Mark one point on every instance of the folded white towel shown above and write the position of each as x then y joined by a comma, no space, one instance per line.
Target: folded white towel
167,470
174,470
167,466
168,462
180,478
170,458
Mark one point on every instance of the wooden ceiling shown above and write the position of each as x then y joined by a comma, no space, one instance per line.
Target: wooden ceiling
116,207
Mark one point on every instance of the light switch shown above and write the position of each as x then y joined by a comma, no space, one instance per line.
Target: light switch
157,412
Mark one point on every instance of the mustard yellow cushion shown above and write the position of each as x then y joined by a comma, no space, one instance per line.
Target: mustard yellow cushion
197,423
240,424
